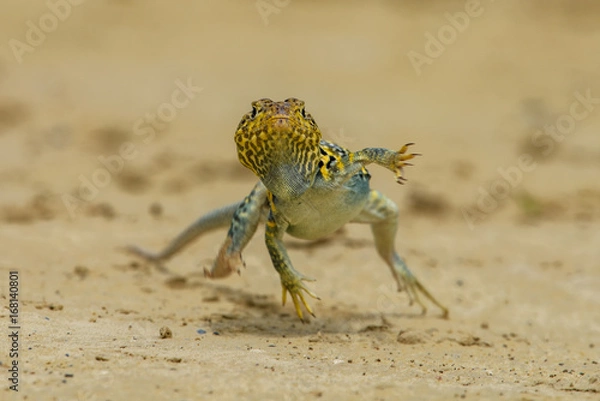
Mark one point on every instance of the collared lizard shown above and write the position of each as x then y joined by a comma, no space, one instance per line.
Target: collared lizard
308,188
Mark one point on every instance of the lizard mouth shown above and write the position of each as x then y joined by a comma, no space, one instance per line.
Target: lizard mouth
281,124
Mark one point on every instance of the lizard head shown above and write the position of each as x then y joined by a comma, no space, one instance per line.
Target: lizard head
279,142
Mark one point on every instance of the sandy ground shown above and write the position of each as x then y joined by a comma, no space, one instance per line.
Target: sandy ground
500,217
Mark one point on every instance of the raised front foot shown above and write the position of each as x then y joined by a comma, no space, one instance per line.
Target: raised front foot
401,161
293,282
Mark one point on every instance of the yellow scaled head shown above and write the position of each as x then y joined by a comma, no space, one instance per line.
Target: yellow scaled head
279,142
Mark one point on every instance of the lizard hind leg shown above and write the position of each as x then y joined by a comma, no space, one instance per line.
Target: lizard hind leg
382,214
243,225
228,261
214,220
242,217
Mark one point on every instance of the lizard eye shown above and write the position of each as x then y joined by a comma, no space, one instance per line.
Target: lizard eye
254,112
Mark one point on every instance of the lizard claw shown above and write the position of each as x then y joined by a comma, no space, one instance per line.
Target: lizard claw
401,180
401,161
295,287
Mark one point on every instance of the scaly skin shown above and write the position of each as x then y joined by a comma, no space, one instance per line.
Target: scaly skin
308,188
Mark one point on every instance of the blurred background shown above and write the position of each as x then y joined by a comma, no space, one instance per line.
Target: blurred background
470,82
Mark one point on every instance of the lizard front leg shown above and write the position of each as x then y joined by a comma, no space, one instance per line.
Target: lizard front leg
353,162
392,160
291,280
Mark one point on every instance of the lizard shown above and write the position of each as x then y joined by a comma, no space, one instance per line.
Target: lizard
308,188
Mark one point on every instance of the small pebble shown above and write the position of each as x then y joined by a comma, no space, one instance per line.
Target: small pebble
200,331
165,332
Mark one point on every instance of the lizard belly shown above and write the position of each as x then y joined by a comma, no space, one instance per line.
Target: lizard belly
323,210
